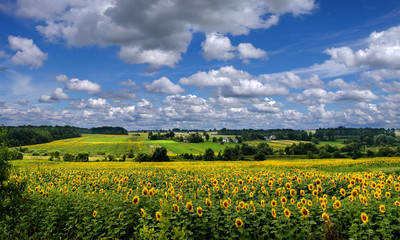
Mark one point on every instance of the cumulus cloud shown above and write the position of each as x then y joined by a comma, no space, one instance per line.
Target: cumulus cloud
27,52
291,80
62,78
75,84
157,32
56,96
247,50
217,46
321,96
3,54
163,86
267,105
224,76
383,50
381,74
253,88
189,107
99,103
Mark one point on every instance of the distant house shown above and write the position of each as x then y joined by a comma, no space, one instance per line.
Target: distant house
235,140
266,138
225,140
272,137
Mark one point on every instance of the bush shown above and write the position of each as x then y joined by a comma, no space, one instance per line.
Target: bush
82,157
34,153
111,157
68,157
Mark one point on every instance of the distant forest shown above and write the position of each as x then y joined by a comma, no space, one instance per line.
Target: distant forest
29,135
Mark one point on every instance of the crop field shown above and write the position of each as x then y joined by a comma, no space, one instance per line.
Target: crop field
95,144
194,148
292,199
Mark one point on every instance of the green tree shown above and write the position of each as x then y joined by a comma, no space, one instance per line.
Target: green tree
5,166
209,155
160,155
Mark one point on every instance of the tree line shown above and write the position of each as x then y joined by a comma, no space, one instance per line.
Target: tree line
30,135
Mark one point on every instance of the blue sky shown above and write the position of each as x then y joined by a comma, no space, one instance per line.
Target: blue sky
200,64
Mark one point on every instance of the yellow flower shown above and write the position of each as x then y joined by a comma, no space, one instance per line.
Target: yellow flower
208,202
325,217
176,208
273,212
342,191
142,212
262,203
364,218
336,204
382,208
135,200
305,212
273,203
199,211
286,212
311,187
241,204
225,204
238,223
397,203
94,213
144,191
158,216
189,206
283,199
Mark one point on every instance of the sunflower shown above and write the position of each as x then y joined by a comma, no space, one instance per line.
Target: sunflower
41,192
318,181
354,192
199,211
273,203
176,208
225,203
283,199
309,203
342,191
311,187
387,194
145,191
151,193
262,203
325,217
208,202
293,192
319,188
336,204
302,192
298,204
315,192
158,216
251,194
238,223
292,201
241,204
382,208
238,208
135,200
364,218
323,206
101,191
189,206
397,203
305,212
273,212
240,181
286,212
94,213
303,201
143,212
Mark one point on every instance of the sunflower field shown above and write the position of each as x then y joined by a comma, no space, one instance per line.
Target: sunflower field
302,199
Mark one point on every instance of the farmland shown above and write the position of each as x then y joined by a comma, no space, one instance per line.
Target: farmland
295,199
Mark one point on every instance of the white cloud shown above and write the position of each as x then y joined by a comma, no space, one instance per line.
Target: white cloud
267,105
27,52
383,51
327,69
146,31
253,88
163,86
247,50
155,57
56,96
217,47
3,54
224,76
62,78
99,103
322,96
291,80
381,74
75,84
189,108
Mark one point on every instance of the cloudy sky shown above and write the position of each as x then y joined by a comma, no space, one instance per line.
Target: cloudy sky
204,64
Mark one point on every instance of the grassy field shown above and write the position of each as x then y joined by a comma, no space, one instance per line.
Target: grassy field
119,144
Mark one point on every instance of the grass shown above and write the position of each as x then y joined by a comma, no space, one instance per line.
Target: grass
194,148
